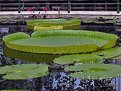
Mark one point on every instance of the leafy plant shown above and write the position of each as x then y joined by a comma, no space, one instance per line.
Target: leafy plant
94,71
24,71
61,42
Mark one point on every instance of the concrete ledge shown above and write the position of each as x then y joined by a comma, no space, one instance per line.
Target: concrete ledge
96,13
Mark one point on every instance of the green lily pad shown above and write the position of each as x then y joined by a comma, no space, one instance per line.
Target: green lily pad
53,24
111,53
78,58
36,28
117,58
24,71
94,71
61,42
92,75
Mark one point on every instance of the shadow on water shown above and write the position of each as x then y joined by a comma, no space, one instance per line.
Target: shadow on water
57,80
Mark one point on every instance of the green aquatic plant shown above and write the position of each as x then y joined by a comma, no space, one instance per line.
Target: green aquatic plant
94,71
77,58
61,42
94,57
36,28
24,71
12,37
97,45
53,24
111,53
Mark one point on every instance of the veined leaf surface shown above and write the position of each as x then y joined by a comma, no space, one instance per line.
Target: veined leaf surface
53,24
111,53
94,71
62,42
24,71
78,58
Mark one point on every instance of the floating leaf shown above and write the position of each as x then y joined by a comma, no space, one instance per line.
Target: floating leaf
53,24
24,71
62,42
15,36
78,58
94,71
117,58
109,53
36,28
92,75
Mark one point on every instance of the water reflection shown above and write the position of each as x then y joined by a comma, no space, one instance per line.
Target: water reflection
30,57
58,81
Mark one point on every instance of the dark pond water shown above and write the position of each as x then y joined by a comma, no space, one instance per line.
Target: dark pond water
57,80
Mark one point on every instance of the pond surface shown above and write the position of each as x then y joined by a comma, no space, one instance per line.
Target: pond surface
57,80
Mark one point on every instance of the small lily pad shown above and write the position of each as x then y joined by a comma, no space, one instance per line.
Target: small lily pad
94,71
24,71
117,58
78,58
109,53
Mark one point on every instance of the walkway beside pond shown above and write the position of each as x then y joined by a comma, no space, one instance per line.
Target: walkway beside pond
96,13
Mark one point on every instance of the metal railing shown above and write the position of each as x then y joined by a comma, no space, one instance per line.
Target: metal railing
23,6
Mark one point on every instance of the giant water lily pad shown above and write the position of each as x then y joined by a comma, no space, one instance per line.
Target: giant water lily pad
24,71
53,24
60,42
78,58
45,27
94,71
